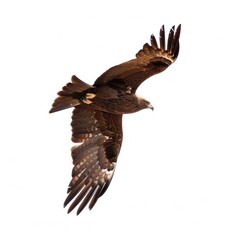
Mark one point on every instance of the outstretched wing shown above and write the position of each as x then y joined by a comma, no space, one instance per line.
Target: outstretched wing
94,159
150,60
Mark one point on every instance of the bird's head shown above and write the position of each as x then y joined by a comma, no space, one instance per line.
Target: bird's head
149,105
145,104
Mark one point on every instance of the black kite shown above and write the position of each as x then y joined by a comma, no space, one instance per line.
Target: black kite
97,116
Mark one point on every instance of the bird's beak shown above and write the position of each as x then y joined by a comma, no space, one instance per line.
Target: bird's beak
150,106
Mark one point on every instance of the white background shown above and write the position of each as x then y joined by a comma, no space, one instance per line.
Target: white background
178,170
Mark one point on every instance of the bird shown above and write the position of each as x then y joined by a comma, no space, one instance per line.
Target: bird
97,116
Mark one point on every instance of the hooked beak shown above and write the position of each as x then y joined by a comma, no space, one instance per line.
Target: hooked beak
150,106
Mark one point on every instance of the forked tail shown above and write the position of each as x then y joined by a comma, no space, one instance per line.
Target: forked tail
69,96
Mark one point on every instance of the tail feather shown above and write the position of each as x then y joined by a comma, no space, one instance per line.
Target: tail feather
68,96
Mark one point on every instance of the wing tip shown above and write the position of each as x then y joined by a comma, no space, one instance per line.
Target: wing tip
167,47
162,38
175,44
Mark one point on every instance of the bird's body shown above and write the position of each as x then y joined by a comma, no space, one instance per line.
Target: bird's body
97,116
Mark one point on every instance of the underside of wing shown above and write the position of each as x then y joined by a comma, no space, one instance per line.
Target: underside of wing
94,159
150,60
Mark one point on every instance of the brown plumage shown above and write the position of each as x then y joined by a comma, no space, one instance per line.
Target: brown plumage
97,116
